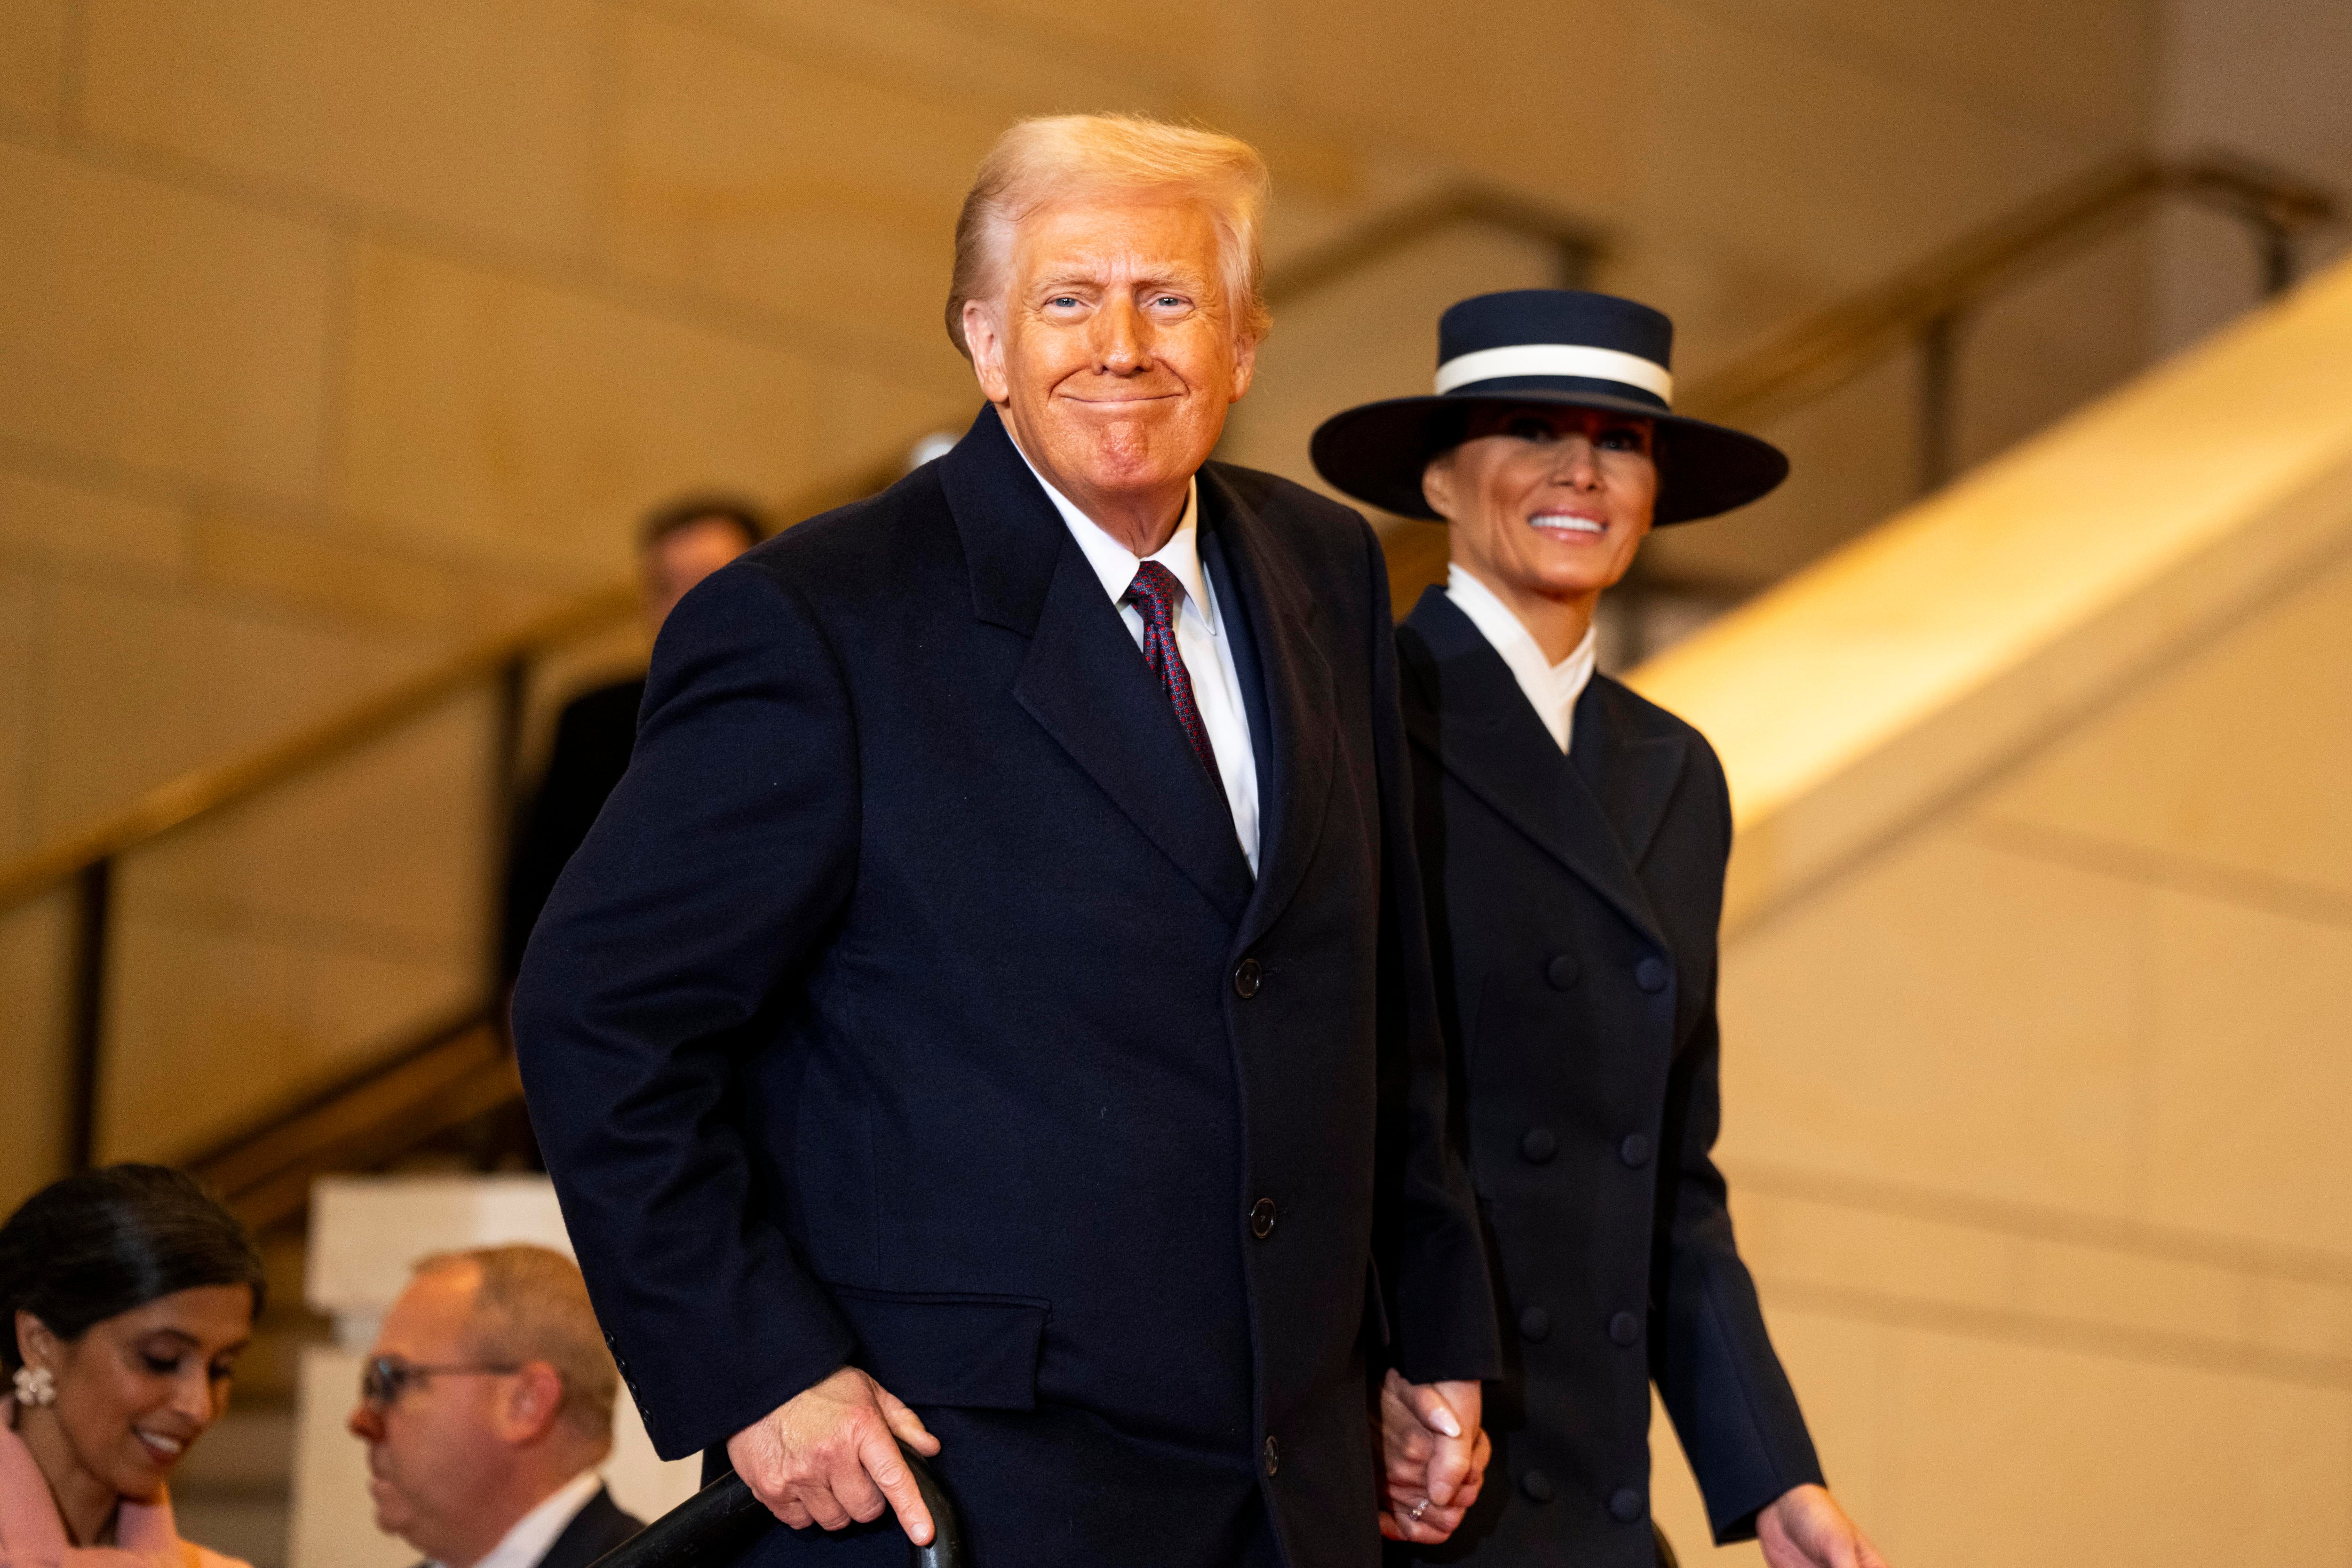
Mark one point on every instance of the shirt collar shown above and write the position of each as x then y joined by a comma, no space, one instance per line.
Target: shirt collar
1552,689
528,1539
1115,563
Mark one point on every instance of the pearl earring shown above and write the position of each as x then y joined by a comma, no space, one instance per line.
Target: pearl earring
36,1386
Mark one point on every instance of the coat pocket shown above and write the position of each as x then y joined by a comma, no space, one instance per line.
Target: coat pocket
979,1352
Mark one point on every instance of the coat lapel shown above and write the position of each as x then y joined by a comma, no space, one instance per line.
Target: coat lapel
1632,775
1477,723
1298,700
1083,679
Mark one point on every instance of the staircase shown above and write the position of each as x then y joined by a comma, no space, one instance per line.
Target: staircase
439,1092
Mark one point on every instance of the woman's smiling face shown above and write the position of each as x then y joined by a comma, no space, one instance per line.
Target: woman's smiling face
1546,500
137,1390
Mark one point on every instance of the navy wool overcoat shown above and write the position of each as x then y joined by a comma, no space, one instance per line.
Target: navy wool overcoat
911,1005
1573,906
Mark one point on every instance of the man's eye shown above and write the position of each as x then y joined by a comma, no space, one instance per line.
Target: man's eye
1173,301
1060,301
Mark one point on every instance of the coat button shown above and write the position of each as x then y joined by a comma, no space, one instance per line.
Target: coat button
1272,1455
1537,1485
1634,1150
1562,972
1649,974
1262,1218
1625,1328
1246,974
1625,1505
1538,1145
1535,1324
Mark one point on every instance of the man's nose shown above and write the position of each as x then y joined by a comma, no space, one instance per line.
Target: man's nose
1119,338
363,1423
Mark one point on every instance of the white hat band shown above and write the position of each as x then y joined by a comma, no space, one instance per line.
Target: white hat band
1558,358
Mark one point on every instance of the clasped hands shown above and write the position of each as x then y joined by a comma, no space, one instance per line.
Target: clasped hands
1434,1456
829,1456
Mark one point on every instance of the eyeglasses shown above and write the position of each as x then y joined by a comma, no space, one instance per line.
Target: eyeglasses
383,1380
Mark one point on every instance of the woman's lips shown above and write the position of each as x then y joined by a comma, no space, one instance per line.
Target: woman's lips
164,1450
1568,523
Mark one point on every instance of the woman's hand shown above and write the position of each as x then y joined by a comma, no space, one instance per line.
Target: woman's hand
1433,1457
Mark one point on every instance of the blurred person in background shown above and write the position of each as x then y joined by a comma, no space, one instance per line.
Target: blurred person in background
1573,839
487,1405
128,1294
992,1014
678,546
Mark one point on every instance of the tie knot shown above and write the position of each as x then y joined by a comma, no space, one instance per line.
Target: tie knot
1155,591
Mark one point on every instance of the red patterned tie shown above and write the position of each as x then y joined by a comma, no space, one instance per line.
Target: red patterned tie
1155,593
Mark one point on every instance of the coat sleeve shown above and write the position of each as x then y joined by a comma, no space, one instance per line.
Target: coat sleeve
1441,1305
1716,1372
705,888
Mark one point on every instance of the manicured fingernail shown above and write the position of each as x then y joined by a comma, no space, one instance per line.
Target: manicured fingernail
1448,1425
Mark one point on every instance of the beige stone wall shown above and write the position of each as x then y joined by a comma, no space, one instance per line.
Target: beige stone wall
333,333
2035,1069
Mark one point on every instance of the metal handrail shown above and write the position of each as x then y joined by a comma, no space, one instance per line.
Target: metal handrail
1922,305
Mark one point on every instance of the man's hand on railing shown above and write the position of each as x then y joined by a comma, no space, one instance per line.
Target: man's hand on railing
829,1455
1434,1456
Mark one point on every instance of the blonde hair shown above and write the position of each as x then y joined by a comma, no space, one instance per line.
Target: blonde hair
532,1305
1050,158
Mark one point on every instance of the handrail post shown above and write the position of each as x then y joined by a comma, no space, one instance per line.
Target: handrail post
93,896
506,766
2277,248
1939,400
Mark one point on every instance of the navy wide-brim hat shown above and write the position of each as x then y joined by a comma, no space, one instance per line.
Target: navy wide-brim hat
1546,346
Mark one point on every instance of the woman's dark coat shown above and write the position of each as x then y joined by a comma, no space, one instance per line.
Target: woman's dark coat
1573,904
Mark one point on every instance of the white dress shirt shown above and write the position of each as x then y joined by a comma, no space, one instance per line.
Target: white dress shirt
523,1545
1200,642
1551,688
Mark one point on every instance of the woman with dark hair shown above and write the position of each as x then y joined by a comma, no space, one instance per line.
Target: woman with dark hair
1572,844
127,1293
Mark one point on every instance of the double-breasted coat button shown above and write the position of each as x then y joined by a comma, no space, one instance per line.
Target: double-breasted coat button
1625,1505
1247,973
1538,1145
1649,974
1262,1216
1562,972
1537,1485
1625,1328
1272,1455
1535,1324
1634,1150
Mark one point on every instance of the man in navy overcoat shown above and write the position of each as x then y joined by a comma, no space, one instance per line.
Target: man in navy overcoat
992,1011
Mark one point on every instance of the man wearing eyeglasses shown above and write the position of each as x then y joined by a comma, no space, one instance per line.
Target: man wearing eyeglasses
487,1405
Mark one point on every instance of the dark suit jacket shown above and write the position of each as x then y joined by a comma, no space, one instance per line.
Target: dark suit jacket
599,1526
594,737
595,1529
911,1003
1573,907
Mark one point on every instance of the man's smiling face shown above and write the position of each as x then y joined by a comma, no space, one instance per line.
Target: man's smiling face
1112,352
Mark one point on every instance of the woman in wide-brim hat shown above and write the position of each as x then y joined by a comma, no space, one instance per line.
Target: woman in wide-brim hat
1573,846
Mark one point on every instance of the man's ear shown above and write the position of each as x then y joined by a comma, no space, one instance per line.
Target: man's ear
982,334
1244,367
535,1403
